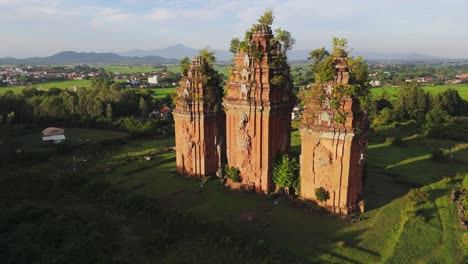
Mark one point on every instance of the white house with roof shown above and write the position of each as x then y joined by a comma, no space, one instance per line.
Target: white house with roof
154,80
53,134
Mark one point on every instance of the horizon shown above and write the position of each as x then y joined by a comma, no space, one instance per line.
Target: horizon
43,28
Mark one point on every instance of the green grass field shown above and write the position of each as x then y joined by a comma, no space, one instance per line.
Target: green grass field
385,236
163,92
33,141
47,86
130,69
393,91
145,69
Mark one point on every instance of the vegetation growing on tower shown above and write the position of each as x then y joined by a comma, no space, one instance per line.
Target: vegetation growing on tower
325,67
210,79
276,50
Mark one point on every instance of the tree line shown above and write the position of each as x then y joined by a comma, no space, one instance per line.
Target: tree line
105,105
438,116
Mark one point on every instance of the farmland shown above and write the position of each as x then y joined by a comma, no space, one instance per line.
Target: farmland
48,85
393,91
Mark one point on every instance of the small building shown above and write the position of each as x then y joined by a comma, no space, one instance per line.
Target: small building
165,111
154,80
53,135
375,83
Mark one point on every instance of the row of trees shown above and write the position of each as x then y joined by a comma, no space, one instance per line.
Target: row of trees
439,116
104,105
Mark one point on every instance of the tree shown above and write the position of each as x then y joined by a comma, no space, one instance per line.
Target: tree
143,106
207,56
412,103
285,38
185,65
267,18
317,56
109,113
285,172
97,108
449,101
234,45
339,47
438,124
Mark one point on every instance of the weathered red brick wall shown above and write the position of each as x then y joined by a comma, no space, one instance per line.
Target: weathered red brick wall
332,154
200,127
258,115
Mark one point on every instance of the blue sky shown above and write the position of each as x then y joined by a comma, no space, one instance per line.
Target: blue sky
44,27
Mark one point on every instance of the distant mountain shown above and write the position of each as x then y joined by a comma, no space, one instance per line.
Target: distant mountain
72,57
302,55
178,51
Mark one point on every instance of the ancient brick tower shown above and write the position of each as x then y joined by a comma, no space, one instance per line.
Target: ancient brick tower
334,143
258,109
199,121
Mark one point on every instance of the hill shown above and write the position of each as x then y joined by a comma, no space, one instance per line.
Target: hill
72,57
178,52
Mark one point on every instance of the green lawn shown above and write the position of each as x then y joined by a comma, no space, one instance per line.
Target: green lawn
386,236
393,91
163,92
33,141
48,85
145,69
130,69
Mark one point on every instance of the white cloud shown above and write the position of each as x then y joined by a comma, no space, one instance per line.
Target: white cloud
369,25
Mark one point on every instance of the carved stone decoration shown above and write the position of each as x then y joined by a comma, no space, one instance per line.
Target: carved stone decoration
325,117
323,167
187,136
326,103
246,60
328,89
244,142
245,75
243,91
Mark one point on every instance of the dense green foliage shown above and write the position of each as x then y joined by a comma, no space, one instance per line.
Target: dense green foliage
286,172
323,69
417,196
412,103
103,106
267,17
232,173
438,116
322,194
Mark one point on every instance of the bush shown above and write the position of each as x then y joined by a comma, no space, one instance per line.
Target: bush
322,194
385,117
394,141
465,181
439,155
286,172
417,196
446,180
232,173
